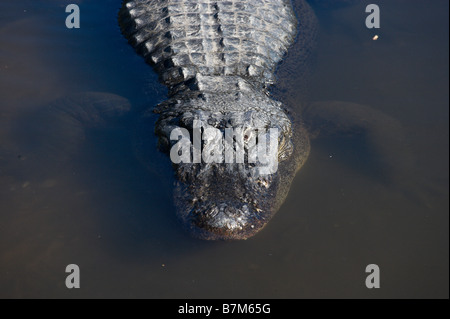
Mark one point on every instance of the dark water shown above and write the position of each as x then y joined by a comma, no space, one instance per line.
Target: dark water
100,209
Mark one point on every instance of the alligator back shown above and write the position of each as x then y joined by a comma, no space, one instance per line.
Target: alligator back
190,41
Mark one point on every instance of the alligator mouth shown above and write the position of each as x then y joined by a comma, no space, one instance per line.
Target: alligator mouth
225,206
224,221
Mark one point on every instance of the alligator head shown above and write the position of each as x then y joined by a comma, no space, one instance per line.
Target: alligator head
233,167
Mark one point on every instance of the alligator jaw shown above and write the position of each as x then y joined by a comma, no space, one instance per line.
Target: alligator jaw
219,206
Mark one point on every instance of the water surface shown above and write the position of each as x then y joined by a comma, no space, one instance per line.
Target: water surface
103,211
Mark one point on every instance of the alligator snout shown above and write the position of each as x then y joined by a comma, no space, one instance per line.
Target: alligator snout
223,220
216,205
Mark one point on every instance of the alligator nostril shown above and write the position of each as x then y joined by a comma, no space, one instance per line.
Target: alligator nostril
213,212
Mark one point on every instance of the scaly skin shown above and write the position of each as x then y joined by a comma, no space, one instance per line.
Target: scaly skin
218,60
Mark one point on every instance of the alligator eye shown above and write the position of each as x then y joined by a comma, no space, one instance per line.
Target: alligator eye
263,182
247,135
285,149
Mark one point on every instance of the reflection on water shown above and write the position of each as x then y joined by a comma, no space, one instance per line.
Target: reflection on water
101,210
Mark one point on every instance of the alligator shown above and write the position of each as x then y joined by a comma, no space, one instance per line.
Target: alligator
218,59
